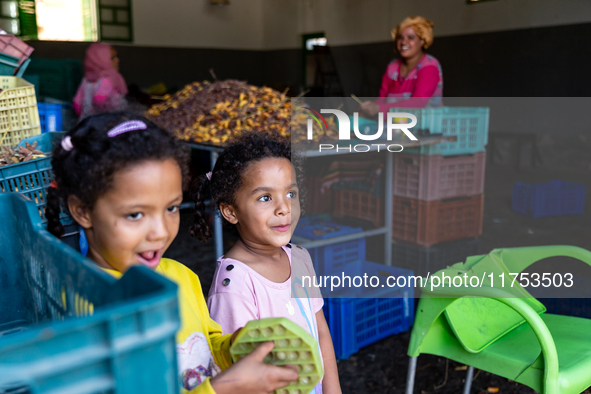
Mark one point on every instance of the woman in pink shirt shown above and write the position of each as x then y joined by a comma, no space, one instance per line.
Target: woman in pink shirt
103,89
414,80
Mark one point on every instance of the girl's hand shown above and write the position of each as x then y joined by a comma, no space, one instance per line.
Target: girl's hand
370,108
251,375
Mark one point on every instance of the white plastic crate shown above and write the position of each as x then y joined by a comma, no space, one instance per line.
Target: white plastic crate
19,117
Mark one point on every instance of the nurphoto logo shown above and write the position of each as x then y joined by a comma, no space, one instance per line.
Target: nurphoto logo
393,126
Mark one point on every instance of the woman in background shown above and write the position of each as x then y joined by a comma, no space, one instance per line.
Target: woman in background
103,89
414,80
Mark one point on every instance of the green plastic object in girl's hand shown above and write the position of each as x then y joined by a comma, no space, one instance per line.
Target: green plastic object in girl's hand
293,346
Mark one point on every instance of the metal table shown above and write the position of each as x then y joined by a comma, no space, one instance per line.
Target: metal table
386,230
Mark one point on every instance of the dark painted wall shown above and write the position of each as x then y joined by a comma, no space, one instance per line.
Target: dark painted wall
547,61
174,66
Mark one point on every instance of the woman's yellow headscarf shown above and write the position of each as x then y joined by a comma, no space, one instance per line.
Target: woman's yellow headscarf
422,27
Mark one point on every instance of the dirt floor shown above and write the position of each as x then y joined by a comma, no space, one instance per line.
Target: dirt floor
382,367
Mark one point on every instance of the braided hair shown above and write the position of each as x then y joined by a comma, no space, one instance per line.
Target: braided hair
88,168
227,175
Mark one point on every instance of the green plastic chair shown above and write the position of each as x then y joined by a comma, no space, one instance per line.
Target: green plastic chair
503,330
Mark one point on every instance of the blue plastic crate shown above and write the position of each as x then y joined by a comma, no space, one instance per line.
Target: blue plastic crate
317,227
330,257
555,198
578,307
45,142
66,326
468,124
32,178
358,322
50,117
69,116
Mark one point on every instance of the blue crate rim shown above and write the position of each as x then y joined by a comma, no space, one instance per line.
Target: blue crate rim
344,230
78,323
548,184
106,312
26,162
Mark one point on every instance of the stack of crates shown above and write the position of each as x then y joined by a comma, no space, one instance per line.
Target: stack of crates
32,178
58,78
438,191
14,55
56,82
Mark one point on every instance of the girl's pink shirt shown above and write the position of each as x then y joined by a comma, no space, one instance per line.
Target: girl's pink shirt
422,87
239,294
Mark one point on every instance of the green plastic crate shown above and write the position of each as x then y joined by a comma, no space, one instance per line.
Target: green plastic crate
32,178
8,64
468,124
66,326
58,78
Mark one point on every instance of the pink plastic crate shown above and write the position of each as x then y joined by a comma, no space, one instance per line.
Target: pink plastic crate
427,223
13,46
435,177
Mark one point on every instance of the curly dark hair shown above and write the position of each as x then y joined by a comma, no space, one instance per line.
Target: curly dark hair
226,178
87,170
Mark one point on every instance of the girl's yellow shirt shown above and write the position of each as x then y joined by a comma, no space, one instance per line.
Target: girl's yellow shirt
202,350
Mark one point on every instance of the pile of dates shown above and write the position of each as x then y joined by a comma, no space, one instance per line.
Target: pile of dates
214,112
21,154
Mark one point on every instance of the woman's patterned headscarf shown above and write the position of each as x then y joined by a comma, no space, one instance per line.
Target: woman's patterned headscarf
422,27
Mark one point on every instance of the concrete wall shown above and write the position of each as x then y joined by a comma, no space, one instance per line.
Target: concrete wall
349,22
197,24
178,41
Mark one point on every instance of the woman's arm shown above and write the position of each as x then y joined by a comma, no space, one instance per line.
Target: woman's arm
330,383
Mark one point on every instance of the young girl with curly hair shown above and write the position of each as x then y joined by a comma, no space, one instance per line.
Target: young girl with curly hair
121,177
255,187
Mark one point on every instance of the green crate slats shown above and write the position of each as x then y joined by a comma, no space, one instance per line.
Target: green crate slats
58,78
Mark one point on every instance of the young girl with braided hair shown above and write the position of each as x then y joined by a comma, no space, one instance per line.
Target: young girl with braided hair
121,177
255,187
